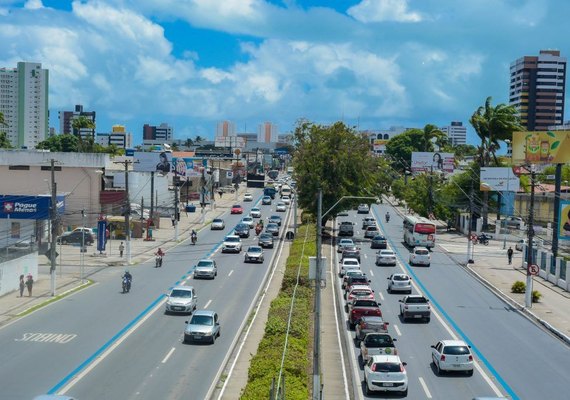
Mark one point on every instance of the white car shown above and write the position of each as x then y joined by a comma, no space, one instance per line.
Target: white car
399,283
342,243
385,373
218,224
347,264
452,355
385,257
286,200
232,243
181,299
536,243
255,212
247,197
420,256
248,221
206,268
281,207
363,209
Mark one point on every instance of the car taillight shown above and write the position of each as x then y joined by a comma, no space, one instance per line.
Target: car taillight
470,357
442,358
402,369
354,311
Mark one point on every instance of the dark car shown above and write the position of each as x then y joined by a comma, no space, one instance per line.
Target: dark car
275,219
76,238
378,242
346,228
266,240
272,228
350,252
242,230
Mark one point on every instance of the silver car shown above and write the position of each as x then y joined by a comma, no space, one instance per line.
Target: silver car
385,257
281,207
217,224
255,212
205,269
232,243
254,254
399,283
203,327
248,221
181,299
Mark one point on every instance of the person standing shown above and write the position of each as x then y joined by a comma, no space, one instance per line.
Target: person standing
510,255
121,249
22,285
30,284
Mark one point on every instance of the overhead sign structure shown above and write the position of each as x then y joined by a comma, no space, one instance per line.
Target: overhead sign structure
189,166
28,207
152,161
430,161
550,147
498,179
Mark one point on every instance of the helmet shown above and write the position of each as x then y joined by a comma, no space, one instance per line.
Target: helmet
126,271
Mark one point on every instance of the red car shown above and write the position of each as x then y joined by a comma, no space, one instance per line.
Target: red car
237,209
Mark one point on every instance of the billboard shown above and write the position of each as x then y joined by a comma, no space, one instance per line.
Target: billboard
230,141
564,220
28,207
426,161
379,144
498,179
550,147
152,161
189,166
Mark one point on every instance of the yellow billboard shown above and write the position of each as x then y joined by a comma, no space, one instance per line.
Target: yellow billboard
549,147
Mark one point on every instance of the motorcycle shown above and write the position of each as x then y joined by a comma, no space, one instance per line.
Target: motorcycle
258,229
483,239
387,218
158,260
126,285
194,238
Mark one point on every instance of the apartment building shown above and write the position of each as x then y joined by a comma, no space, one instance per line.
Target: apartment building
157,135
456,133
66,122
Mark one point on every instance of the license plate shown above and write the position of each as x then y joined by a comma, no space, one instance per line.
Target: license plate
457,365
388,384
197,337
178,308
417,316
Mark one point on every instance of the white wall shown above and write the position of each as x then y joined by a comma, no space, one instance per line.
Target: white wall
10,272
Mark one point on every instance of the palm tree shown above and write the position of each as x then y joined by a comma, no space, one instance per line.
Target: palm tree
79,123
431,131
2,120
189,142
198,139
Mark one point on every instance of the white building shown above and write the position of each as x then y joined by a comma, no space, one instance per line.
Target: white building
456,132
267,133
157,135
225,128
379,138
24,103
118,136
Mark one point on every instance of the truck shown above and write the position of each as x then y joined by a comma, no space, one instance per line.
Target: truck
359,308
415,306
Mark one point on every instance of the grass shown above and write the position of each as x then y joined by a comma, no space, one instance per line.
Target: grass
54,299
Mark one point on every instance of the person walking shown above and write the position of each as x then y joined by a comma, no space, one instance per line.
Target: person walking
221,193
121,249
510,255
22,285
30,284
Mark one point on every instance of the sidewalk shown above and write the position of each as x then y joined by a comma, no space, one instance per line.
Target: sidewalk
68,275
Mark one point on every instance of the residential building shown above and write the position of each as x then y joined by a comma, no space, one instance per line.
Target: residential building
537,89
225,129
456,133
66,122
118,136
24,103
267,133
157,135
379,138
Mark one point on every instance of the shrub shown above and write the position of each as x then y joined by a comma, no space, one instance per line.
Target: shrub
518,287
536,295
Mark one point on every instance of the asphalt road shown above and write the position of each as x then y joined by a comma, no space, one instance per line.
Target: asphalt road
123,346
516,358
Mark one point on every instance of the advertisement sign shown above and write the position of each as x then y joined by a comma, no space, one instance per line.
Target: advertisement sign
152,161
189,166
101,234
498,179
379,144
564,220
230,141
28,207
426,162
550,147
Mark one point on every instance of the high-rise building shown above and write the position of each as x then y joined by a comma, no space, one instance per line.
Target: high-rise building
225,129
24,103
267,133
157,135
118,136
456,133
537,89
66,122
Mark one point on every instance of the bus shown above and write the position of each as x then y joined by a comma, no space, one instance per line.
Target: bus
419,231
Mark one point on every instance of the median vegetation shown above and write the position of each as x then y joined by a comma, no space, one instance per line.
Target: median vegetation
266,364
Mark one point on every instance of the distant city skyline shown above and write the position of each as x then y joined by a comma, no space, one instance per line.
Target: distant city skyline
373,64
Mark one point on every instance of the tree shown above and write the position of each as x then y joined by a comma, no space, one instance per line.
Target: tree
336,160
464,150
85,145
2,120
4,142
433,132
198,139
64,143
401,147
189,142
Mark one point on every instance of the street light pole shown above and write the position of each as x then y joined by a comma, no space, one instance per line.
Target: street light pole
53,226
82,254
317,310
529,255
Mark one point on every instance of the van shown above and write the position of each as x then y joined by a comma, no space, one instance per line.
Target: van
269,191
285,190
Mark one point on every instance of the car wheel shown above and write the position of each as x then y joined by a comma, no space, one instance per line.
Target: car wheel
366,389
405,392
389,290
428,265
410,291
438,370
63,241
185,340
346,308
213,339
470,372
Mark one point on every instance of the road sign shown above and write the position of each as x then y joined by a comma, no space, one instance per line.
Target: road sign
533,269
473,237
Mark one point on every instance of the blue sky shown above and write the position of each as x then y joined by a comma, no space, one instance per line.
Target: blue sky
192,63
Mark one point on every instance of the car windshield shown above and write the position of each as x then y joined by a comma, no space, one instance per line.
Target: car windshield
361,292
387,253
416,300
232,239
379,341
400,277
202,320
236,206
266,236
372,228
205,263
181,293
255,209
358,279
217,221
242,226
379,238
367,303
456,350
254,250
346,242
247,219
272,226
387,367
350,262
422,252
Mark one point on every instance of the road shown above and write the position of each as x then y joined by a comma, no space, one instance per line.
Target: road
122,345
514,356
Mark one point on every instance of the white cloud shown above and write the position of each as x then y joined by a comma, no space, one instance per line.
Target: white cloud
34,4
383,10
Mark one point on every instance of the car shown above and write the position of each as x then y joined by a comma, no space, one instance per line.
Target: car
452,355
371,231
232,243
512,222
385,373
420,256
369,324
350,252
368,221
354,280
242,230
286,200
272,228
536,243
255,212
274,219
346,228
218,224
359,292
280,207
236,209
80,229
248,221
415,306
376,343
181,299
379,242
247,196
342,243
266,200
77,237
206,268
350,273
399,283
363,209
348,263
203,327
266,240
385,257
254,254
358,308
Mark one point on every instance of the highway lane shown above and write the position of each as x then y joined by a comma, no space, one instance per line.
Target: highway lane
499,334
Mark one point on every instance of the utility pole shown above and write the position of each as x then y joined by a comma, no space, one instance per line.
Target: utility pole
317,310
82,254
152,195
557,183
53,226
529,255
430,196
469,241
176,211
127,207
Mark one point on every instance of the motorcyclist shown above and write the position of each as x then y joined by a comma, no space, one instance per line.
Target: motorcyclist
388,216
258,228
194,236
159,254
127,280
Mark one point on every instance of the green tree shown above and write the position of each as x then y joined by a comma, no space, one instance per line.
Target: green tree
85,145
433,132
199,139
4,142
189,142
464,150
400,148
336,160
2,120
64,143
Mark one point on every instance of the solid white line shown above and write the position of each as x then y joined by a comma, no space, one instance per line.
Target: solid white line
397,330
371,273
424,386
208,303
231,272
165,359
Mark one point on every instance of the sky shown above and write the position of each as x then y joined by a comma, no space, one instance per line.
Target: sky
192,63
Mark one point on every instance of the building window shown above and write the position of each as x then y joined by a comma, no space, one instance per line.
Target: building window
48,168
15,230
19,167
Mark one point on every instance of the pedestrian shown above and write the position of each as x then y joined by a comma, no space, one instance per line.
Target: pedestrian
22,285
220,192
173,219
510,255
121,249
30,284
